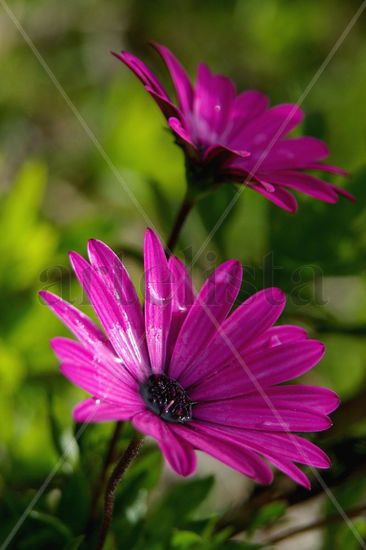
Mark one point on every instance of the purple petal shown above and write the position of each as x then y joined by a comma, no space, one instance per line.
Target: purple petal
295,153
115,276
305,183
142,72
95,383
288,446
292,471
262,413
250,104
343,192
277,335
165,105
284,362
183,138
94,410
103,365
182,298
79,323
280,197
151,83
243,460
178,453
266,130
247,106
249,320
158,301
111,315
280,449
214,97
266,367
221,154
327,168
320,400
210,308
179,77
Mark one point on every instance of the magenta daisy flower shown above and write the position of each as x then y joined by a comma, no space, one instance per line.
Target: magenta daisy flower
238,138
190,373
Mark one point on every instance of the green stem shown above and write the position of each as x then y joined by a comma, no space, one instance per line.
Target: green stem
183,212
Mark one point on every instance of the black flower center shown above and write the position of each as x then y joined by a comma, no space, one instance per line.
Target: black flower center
166,398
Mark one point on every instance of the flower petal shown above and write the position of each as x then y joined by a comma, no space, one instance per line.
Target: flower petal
249,320
295,153
305,183
247,106
266,130
280,197
165,105
343,192
213,100
94,410
221,154
116,278
183,138
178,453
327,168
111,315
158,301
260,369
142,72
99,361
210,308
279,334
182,299
292,471
243,460
261,412
79,323
315,398
179,77
288,446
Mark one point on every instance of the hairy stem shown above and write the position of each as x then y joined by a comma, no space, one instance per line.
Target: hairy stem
99,486
110,494
184,210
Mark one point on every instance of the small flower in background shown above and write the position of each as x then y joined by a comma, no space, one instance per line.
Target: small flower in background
189,373
238,138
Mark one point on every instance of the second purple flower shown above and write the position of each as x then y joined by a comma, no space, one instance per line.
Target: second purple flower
238,138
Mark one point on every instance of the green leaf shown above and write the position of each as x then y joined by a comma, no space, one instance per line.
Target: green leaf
51,521
177,505
26,242
268,515
75,543
185,539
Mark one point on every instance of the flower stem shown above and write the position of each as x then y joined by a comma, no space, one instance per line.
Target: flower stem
184,210
110,494
99,486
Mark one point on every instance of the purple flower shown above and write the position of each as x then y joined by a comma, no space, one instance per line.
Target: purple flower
227,137
189,373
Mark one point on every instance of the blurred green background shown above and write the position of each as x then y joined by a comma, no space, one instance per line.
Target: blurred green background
57,190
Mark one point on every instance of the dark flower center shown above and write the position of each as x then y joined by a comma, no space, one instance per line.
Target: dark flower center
166,398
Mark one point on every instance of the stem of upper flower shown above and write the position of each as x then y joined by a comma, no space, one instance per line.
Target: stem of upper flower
186,207
110,494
